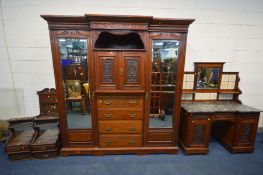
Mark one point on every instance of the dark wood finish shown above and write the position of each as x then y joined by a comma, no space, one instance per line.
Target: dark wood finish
235,131
120,126
48,101
120,140
118,114
119,81
17,146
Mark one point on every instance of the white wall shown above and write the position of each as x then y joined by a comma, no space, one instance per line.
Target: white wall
228,31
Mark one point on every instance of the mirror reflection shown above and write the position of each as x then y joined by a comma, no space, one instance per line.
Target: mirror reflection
163,78
207,78
74,62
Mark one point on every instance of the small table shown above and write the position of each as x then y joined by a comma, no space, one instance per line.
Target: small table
233,124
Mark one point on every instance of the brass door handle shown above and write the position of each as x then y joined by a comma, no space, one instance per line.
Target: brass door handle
107,102
132,115
108,142
108,129
107,115
132,129
132,101
132,141
121,71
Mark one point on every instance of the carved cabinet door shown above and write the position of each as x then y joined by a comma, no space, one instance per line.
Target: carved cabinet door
199,132
246,131
119,70
106,70
131,70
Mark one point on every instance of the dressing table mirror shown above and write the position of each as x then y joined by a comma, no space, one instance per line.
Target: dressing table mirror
208,75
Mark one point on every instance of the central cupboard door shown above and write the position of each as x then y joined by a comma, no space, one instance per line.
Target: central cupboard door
119,70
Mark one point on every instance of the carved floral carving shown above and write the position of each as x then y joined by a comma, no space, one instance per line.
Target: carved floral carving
118,26
166,35
132,66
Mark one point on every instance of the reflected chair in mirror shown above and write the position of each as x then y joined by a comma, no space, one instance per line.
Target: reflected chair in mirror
75,96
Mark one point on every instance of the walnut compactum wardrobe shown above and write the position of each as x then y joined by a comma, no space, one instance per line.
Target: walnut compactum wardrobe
119,82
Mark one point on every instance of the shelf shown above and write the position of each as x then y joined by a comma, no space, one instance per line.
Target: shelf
114,49
163,92
188,91
166,85
120,91
229,91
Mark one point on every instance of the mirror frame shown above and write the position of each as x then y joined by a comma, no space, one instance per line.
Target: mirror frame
218,65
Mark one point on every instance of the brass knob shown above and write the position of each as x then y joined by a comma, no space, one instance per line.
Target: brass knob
108,142
43,148
208,119
48,96
132,129
108,129
107,102
133,115
132,141
107,115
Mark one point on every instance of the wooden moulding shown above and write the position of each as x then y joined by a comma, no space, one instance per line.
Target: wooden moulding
97,151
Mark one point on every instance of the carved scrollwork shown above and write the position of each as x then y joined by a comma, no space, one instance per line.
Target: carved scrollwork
198,134
166,35
72,33
107,71
108,26
132,66
246,129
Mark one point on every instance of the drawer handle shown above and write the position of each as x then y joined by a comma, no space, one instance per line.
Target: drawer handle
132,115
108,129
46,156
132,129
108,142
48,96
132,141
132,101
43,148
107,115
107,102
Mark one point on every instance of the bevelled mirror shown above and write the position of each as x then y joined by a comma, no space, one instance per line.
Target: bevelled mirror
163,79
208,75
74,63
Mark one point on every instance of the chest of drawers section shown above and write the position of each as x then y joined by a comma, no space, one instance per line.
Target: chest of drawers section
120,120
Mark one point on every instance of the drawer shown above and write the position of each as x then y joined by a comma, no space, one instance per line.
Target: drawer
17,149
51,147
20,156
120,102
120,126
45,155
120,114
120,140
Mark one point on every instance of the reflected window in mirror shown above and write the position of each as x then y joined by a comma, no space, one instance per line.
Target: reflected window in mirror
207,78
74,62
163,82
